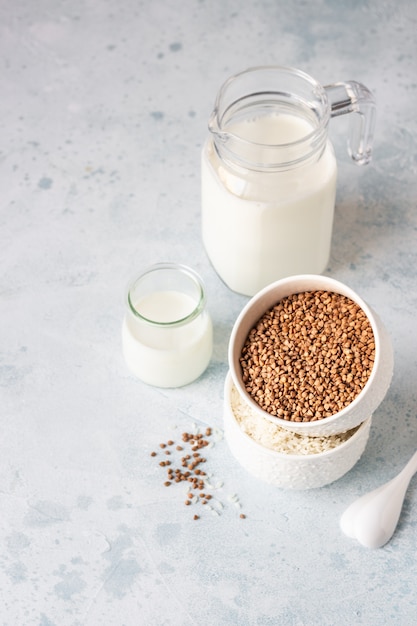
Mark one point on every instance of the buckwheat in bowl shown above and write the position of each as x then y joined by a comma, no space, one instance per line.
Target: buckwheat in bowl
308,354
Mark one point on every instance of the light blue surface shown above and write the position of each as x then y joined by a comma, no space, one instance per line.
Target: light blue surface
103,113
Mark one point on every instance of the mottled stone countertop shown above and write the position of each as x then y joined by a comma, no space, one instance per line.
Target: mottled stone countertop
103,113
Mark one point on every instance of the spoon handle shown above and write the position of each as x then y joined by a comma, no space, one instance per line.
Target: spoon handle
377,520
411,468
399,482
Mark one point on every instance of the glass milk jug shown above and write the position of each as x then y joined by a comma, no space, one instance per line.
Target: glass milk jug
269,173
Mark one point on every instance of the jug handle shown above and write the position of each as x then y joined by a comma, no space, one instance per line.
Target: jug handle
353,97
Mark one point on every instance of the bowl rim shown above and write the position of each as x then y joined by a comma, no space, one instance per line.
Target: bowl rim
361,428
301,283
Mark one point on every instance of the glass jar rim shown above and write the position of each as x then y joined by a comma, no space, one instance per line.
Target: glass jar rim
307,145
194,277
318,89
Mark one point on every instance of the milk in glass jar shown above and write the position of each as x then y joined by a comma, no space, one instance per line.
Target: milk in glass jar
167,333
269,173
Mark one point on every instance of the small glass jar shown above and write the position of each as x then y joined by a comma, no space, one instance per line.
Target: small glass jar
167,333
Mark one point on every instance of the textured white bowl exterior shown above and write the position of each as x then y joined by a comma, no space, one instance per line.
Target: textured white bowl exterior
371,395
291,471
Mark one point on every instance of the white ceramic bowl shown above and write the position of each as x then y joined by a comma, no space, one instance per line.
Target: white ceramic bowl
290,471
364,405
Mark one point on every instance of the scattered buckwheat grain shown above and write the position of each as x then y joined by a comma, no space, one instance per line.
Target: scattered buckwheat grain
189,470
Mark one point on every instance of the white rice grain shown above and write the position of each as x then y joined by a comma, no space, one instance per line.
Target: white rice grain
271,436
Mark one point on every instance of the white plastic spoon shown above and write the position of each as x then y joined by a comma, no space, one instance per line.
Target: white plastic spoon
373,518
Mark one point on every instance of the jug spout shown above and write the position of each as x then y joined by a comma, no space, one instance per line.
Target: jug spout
353,97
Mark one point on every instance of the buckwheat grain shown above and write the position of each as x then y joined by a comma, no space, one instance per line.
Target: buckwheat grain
309,356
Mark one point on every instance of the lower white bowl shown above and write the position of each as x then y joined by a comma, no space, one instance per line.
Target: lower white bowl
288,469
